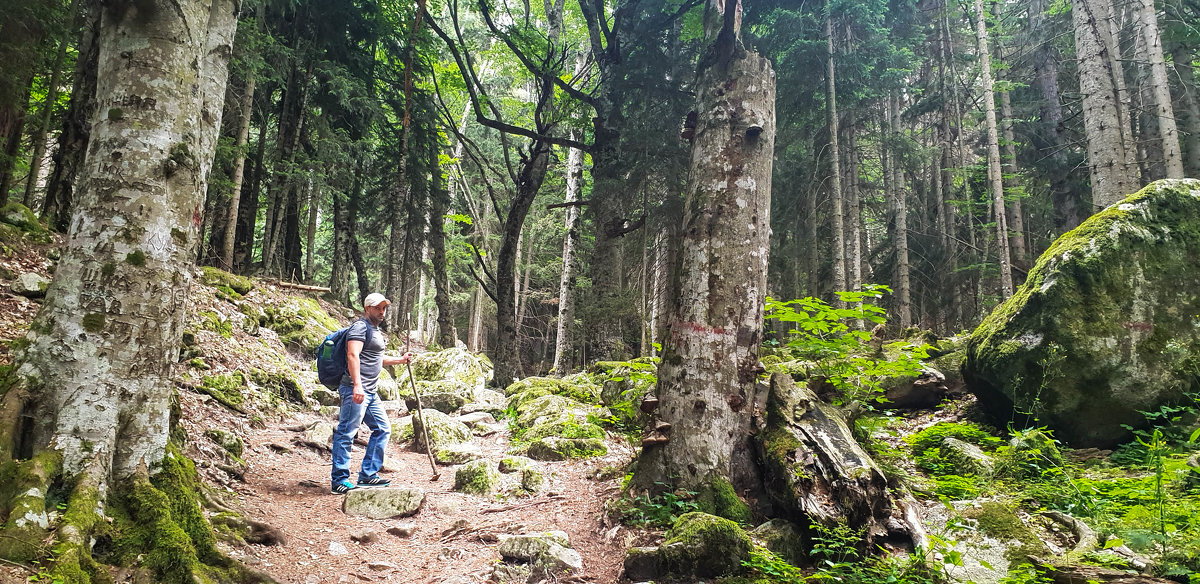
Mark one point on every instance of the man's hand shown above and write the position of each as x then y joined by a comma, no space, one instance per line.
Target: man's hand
401,360
358,395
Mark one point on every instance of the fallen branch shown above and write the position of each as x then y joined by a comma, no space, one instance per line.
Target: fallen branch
304,287
523,505
567,204
1085,537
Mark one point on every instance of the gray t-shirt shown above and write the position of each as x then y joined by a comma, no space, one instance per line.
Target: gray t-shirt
370,359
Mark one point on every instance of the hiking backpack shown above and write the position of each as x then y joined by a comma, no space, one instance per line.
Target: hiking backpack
331,356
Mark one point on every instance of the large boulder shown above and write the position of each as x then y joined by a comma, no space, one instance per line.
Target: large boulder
1105,327
457,366
451,438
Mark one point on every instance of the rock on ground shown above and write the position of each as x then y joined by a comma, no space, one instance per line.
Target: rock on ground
383,503
1105,327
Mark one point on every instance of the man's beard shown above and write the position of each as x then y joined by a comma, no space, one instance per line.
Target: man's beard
376,321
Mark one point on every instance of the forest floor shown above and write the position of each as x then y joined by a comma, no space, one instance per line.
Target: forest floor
455,535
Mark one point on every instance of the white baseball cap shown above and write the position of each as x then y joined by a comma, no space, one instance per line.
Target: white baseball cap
375,298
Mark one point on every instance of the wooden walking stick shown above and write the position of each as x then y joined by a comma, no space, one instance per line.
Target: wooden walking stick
424,427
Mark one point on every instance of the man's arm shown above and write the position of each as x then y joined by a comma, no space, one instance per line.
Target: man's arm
401,360
353,348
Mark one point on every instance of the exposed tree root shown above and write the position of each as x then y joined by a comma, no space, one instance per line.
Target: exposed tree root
154,524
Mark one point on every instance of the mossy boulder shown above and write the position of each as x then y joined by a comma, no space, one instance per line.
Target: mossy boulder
699,545
579,389
551,408
384,503
443,430
457,366
556,448
218,278
478,478
21,217
227,440
457,453
444,396
1106,325
402,430
300,323
784,539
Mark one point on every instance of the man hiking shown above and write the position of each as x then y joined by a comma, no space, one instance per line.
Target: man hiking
360,402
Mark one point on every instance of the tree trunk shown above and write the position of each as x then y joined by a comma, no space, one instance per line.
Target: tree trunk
250,198
706,385
339,269
566,284
995,175
1181,59
835,168
1111,162
900,220
76,127
854,209
1161,88
1065,200
310,234
239,173
439,199
39,139
95,379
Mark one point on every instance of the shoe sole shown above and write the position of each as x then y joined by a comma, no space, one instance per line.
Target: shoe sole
362,486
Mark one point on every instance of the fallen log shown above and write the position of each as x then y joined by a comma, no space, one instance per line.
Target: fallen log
815,472
305,287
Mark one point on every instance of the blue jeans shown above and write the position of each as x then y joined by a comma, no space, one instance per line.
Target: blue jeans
350,417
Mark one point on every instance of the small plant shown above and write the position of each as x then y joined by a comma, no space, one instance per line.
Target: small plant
841,353
657,511
765,563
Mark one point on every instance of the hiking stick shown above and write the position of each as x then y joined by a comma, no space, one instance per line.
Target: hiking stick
424,428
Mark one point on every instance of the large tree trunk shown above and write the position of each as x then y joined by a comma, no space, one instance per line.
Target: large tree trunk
995,174
95,378
310,233
706,384
1161,88
1111,162
835,167
566,285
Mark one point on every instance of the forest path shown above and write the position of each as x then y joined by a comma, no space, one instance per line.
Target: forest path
454,541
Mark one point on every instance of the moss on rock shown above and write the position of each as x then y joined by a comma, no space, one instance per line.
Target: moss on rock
300,323
478,478
719,498
1104,327
218,278
704,545
226,388
555,448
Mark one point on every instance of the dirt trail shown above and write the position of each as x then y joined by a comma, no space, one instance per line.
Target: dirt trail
454,540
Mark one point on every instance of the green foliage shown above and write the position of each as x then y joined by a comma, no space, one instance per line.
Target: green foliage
838,558
925,444
765,563
823,335
656,511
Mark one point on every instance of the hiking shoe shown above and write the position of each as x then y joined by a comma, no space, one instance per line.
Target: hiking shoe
342,488
375,481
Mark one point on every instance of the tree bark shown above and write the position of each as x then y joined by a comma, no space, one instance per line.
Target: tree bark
76,127
310,234
439,199
95,377
566,284
835,168
239,173
995,174
1065,200
1161,88
706,386
250,198
39,139
1181,59
900,219
1111,162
